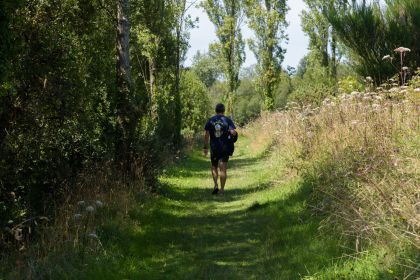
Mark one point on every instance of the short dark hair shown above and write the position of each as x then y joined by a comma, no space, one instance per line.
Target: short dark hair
220,108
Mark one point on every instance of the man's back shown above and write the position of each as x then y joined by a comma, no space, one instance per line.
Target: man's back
218,127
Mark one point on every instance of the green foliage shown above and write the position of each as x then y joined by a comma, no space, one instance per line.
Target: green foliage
349,84
302,67
385,28
315,85
195,104
249,102
226,15
62,109
283,90
55,108
205,66
268,20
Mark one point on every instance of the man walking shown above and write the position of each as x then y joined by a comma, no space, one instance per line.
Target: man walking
221,131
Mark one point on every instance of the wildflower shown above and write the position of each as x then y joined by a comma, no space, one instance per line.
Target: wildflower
403,87
417,90
403,91
402,50
369,79
10,222
379,88
99,203
81,203
376,107
90,209
77,216
386,57
378,97
93,235
405,68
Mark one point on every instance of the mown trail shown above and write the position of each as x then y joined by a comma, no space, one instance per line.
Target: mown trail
259,229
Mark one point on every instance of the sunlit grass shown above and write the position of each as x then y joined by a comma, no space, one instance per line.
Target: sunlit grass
260,229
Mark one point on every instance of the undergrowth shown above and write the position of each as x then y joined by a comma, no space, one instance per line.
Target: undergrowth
41,247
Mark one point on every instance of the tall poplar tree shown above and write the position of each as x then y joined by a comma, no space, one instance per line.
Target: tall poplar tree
227,15
322,35
127,117
268,20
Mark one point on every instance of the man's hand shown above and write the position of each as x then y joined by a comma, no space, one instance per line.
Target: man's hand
233,132
205,151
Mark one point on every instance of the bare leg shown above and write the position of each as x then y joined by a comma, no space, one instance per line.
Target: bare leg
223,175
215,174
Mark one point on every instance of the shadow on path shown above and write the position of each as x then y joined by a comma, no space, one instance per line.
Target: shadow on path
186,233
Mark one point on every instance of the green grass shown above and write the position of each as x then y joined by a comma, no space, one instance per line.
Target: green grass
260,229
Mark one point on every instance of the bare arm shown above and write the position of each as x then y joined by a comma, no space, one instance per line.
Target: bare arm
206,143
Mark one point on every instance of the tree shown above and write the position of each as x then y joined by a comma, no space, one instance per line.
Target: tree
322,36
195,103
206,68
183,22
127,118
385,28
268,20
227,15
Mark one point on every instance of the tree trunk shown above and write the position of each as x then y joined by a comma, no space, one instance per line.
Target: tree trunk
152,84
123,104
333,55
124,80
232,82
178,116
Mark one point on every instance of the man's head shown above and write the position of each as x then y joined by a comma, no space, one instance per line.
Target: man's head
220,108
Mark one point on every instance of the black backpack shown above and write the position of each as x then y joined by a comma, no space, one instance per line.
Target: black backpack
231,143
224,142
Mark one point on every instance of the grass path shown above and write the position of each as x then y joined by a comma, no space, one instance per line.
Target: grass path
259,229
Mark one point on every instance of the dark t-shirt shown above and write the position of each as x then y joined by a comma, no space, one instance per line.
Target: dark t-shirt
218,127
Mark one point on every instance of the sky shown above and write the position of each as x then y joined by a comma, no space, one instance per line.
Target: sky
204,35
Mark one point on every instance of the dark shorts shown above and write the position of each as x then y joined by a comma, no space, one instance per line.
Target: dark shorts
215,158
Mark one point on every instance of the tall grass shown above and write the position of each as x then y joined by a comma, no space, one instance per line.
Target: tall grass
360,155
72,237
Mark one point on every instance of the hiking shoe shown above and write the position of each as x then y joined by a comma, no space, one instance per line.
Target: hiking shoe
215,191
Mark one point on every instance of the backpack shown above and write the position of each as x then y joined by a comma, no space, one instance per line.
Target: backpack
224,142
231,142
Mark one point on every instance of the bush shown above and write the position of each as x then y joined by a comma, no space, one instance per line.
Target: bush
195,104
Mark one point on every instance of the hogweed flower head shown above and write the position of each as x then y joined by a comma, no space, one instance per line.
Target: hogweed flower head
81,203
90,209
93,235
77,216
99,203
387,57
402,50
